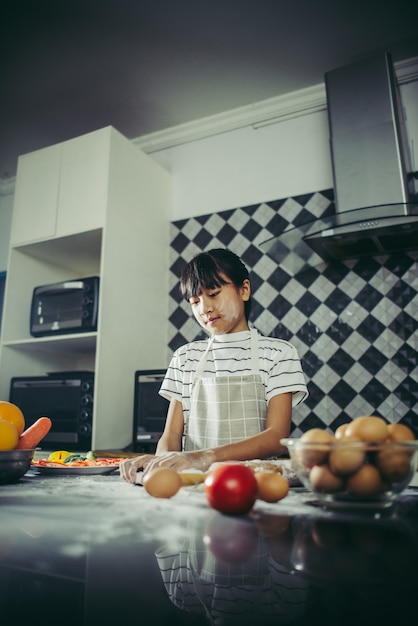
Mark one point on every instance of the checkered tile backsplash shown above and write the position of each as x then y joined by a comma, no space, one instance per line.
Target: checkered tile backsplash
354,323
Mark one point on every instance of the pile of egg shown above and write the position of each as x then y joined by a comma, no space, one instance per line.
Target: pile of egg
365,457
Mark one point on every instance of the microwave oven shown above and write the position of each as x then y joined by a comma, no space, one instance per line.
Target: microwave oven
66,398
150,410
70,306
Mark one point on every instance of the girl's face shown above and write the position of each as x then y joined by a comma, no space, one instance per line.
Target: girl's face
221,310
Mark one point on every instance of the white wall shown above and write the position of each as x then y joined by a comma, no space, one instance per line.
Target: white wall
249,166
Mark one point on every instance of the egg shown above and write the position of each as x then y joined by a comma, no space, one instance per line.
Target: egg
400,432
322,479
317,454
340,432
368,428
367,481
271,486
346,459
395,464
162,482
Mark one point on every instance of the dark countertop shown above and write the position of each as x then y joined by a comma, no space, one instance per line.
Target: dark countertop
95,550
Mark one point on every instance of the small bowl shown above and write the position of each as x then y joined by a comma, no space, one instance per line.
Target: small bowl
14,464
354,474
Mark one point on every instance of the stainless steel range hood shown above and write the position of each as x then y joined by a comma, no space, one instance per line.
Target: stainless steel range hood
376,211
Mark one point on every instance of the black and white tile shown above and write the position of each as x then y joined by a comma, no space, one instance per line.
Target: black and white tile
354,323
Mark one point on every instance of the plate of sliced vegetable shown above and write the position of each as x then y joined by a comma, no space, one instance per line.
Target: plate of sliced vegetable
66,463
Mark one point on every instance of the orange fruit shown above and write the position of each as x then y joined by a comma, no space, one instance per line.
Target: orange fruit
11,413
8,435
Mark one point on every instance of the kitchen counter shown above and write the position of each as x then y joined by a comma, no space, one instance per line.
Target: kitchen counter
95,550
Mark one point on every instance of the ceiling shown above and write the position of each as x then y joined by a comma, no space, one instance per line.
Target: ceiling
72,66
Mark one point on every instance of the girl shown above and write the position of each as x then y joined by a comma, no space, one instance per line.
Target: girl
231,397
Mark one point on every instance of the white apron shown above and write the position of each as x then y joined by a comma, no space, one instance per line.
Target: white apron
225,409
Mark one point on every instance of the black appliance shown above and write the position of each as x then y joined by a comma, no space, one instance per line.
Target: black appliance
70,306
66,398
150,410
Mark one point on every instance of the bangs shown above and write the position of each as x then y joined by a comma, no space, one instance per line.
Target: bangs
202,273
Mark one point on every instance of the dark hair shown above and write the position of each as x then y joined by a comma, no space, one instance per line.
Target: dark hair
204,272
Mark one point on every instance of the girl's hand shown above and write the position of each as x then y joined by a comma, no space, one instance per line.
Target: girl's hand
200,460
129,467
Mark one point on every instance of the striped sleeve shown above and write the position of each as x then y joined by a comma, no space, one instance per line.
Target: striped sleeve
283,370
180,371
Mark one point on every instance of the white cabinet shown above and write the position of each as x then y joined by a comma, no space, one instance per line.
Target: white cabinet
84,177
62,189
36,195
103,210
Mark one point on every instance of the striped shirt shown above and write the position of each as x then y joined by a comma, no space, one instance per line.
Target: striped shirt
279,366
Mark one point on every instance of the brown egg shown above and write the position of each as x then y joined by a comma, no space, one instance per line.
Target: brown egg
367,481
315,455
345,458
400,432
394,465
272,486
323,480
368,428
162,482
340,432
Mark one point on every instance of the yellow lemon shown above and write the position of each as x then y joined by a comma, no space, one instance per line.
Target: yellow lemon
8,435
60,455
11,413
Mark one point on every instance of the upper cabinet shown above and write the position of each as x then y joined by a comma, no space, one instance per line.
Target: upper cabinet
62,189
37,184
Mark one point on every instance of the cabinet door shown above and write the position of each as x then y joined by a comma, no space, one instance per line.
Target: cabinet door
36,195
83,183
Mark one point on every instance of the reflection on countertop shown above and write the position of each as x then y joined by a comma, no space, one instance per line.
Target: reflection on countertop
95,550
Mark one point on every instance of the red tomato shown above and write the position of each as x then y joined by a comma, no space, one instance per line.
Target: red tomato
231,488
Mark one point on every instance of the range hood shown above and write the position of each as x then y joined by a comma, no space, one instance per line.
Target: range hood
376,209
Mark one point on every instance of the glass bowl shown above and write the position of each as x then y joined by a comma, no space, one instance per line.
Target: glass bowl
14,464
354,474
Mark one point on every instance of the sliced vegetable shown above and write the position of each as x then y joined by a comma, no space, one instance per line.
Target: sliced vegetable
59,455
82,463
46,463
33,435
71,458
